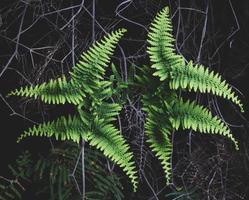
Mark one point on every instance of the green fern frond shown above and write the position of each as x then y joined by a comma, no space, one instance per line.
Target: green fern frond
198,78
104,92
91,92
161,48
189,115
91,67
70,128
166,111
158,131
107,111
86,75
56,91
108,139
102,135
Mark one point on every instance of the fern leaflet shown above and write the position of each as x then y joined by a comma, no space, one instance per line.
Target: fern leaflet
197,78
189,115
160,49
158,132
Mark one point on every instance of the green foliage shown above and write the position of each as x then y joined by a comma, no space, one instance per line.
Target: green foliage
12,188
197,78
161,49
189,115
99,99
56,91
70,128
158,132
54,179
91,92
166,111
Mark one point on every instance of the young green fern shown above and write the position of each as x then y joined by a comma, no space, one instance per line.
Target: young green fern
166,111
91,93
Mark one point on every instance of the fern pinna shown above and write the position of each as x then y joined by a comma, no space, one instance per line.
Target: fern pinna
91,92
166,111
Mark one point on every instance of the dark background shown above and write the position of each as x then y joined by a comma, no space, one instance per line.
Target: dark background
45,51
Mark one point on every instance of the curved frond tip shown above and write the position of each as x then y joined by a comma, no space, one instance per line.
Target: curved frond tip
198,78
158,131
107,138
64,128
91,67
160,45
57,91
189,115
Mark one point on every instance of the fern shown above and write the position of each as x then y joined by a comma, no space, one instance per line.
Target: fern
90,91
188,115
70,128
91,67
166,111
98,99
197,78
161,50
20,172
58,91
158,132
53,179
86,75
172,66
108,139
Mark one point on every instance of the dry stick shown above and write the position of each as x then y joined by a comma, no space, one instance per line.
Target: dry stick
82,142
153,191
203,34
230,36
14,112
75,15
17,43
118,11
26,47
13,181
93,21
204,29
74,170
